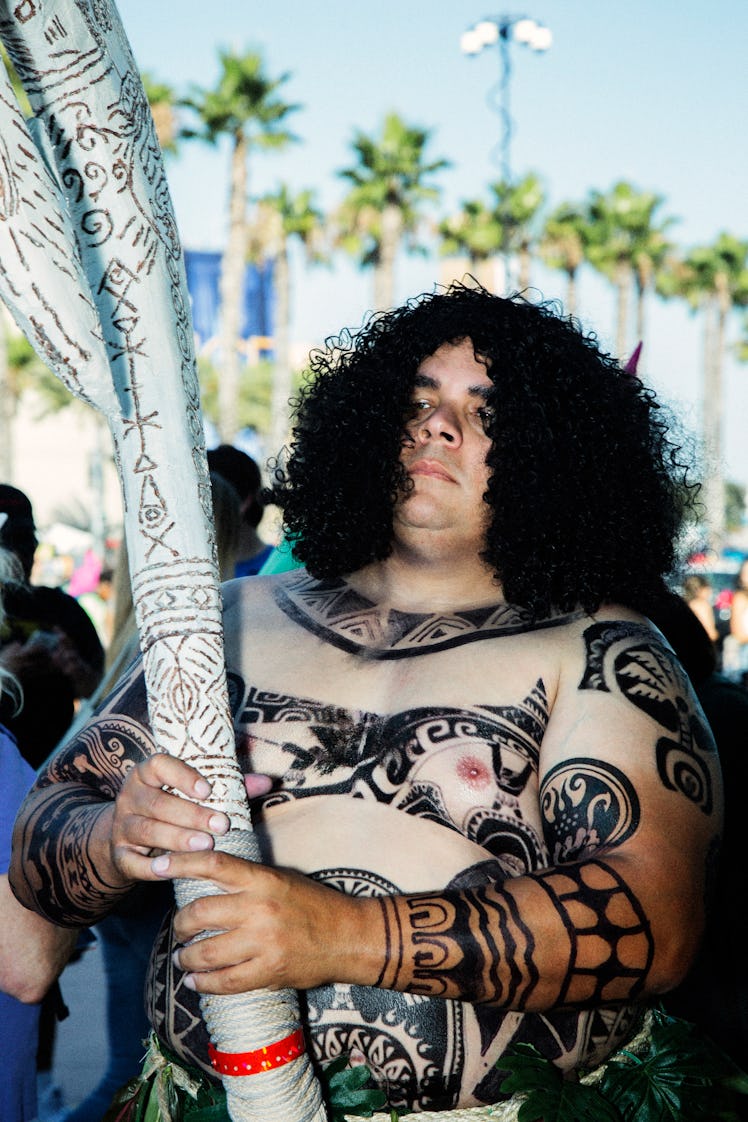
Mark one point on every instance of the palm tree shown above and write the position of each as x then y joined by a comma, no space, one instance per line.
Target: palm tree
162,100
282,217
626,246
516,209
244,107
474,232
22,372
390,185
741,349
714,280
562,246
651,251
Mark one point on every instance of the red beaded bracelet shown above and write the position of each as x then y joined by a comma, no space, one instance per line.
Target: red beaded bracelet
262,1059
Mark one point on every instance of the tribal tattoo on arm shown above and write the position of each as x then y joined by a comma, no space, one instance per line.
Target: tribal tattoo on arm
485,945
55,873
481,946
587,805
647,673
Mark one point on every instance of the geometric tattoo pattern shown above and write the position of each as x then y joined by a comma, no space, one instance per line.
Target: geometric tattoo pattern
648,675
462,942
475,944
347,620
612,945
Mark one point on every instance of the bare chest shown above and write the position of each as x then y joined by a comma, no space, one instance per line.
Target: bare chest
437,717
471,768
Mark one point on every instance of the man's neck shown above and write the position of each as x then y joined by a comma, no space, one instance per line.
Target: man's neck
424,581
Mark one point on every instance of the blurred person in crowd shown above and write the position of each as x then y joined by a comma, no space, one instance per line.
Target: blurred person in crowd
17,527
97,604
229,520
698,594
736,643
58,656
32,951
244,475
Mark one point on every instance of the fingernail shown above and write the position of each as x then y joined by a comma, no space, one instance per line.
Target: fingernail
160,864
175,959
188,981
202,788
218,823
200,841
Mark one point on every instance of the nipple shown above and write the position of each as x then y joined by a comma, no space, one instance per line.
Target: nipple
473,772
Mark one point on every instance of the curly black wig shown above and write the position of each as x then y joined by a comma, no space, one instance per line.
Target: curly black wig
586,487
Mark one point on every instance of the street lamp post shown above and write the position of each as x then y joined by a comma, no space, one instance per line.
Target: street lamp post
501,31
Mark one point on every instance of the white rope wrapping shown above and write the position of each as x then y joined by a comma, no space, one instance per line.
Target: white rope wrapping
501,1112
284,1092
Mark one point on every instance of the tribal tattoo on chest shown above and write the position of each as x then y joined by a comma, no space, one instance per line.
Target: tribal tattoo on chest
473,770
335,612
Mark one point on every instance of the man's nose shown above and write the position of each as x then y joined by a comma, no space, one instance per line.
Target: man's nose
441,424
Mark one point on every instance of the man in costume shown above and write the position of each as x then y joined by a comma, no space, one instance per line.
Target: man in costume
492,798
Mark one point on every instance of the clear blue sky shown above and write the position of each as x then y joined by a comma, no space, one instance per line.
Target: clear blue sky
655,93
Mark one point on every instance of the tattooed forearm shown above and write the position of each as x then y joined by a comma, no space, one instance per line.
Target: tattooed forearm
54,870
471,945
486,945
645,672
55,873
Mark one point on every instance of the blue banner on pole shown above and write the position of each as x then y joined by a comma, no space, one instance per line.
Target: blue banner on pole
203,270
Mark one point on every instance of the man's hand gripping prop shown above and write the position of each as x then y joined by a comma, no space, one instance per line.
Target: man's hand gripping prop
91,269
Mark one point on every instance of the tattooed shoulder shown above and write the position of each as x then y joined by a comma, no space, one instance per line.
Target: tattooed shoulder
632,660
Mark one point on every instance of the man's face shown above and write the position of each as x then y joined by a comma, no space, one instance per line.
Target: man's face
445,454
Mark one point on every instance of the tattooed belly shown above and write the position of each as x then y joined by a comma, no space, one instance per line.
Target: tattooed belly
425,1053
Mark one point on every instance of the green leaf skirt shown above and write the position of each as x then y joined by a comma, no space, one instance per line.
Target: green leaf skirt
669,1071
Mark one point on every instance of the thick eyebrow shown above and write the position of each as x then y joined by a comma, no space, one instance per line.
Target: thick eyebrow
426,382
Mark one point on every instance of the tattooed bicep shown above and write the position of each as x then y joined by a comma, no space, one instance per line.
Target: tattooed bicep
103,751
630,659
586,805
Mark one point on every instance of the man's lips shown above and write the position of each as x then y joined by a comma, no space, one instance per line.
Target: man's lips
432,468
